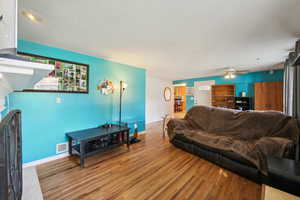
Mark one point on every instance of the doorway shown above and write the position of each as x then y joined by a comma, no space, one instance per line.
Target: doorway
179,101
202,92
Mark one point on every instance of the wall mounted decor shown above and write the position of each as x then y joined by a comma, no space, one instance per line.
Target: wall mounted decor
106,87
68,76
167,94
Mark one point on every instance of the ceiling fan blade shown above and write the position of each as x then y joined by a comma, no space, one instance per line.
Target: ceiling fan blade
242,72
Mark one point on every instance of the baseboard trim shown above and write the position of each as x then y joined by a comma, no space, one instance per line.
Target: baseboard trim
149,125
45,160
154,122
142,132
52,158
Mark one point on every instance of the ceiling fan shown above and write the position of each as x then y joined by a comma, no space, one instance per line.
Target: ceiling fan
231,72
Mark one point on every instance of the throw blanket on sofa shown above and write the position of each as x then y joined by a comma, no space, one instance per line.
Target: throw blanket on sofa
251,134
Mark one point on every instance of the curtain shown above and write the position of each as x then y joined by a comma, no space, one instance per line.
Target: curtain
292,94
292,90
296,105
288,89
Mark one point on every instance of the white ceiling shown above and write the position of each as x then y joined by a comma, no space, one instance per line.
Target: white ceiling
173,39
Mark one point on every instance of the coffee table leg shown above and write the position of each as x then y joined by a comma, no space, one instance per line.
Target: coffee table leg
70,146
123,137
128,142
82,154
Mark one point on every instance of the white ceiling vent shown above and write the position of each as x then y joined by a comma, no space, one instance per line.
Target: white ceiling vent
61,148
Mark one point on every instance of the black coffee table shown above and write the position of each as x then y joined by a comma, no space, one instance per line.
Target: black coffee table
88,142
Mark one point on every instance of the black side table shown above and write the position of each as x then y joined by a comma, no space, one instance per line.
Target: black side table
284,174
83,137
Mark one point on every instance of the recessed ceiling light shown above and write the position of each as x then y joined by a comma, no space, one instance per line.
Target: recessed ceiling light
30,16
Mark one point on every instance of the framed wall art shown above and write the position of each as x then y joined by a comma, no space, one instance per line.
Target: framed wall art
67,77
167,94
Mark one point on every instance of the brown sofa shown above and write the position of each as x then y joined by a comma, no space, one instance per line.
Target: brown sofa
238,141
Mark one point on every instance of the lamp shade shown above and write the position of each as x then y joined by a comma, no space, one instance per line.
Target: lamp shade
124,85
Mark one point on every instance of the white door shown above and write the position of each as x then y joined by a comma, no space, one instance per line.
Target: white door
202,92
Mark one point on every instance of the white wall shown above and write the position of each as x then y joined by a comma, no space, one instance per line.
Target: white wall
156,106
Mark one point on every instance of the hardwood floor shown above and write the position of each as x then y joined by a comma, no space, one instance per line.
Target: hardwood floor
152,169
179,115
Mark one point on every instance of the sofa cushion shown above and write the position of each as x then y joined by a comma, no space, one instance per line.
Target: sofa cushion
247,171
249,152
236,157
227,153
226,159
242,125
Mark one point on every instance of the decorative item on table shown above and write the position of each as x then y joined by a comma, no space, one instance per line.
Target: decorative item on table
244,94
106,87
134,138
106,125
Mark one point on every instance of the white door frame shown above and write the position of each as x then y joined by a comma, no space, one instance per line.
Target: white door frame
173,96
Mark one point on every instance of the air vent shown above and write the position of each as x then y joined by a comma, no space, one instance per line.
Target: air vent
61,148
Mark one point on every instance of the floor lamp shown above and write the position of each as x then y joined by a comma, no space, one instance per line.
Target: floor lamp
133,139
123,86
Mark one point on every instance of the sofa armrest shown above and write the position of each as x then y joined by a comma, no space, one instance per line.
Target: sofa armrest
297,149
174,125
276,146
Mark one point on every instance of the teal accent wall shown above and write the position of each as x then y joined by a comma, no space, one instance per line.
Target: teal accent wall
45,122
243,82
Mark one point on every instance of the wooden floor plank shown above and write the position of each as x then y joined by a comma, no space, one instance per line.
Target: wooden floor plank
152,169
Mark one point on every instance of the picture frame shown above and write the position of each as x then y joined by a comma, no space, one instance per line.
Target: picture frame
167,94
67,77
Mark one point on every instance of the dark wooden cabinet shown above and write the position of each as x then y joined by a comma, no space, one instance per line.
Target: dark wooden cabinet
243,103
268,96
